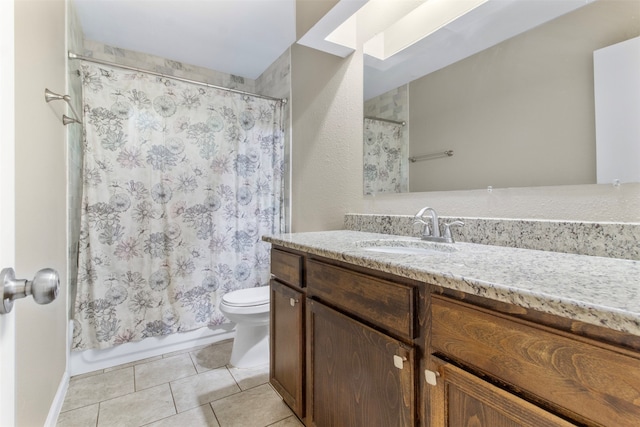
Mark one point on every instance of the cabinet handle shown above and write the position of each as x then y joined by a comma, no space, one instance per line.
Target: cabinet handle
398,361
430,377
293,302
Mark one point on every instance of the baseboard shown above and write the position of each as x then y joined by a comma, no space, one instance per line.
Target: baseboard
58,401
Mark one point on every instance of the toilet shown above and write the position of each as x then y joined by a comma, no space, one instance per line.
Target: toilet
249,310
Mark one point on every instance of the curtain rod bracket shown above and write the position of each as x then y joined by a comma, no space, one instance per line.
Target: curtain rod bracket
52,96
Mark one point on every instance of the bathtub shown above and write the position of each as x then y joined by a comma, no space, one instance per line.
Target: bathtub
81,362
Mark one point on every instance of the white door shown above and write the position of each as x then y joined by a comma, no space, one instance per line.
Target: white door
7,208
617,98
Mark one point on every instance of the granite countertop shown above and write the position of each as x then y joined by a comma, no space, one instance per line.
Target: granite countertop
596,290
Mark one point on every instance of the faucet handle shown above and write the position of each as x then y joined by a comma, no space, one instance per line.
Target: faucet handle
447,230
426,230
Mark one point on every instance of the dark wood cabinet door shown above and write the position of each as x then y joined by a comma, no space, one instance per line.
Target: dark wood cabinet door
357,376
462,399
584,380
286,372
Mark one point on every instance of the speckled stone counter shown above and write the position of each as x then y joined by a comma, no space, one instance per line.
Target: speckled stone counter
596,290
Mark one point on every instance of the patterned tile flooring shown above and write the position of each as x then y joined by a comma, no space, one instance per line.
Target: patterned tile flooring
192,388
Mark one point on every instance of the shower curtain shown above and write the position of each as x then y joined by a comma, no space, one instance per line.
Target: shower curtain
180,182
386,157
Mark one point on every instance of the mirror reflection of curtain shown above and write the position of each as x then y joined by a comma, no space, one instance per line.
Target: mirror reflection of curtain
386,157
180,183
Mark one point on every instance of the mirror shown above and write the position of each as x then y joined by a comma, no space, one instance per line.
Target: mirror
516,113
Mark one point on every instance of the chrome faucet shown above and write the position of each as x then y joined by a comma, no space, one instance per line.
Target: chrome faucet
431,231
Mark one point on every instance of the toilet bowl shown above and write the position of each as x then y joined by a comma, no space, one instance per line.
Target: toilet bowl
249,310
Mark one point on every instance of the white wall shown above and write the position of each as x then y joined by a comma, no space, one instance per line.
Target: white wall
41,206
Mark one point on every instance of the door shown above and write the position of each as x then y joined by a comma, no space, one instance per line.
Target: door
287,345
7,208
463,399
33,209
357,376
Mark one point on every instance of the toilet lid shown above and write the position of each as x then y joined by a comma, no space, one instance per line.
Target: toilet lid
247,297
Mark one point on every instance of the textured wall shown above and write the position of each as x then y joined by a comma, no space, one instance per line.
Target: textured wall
327,138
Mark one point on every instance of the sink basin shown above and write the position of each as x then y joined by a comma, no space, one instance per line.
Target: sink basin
407,247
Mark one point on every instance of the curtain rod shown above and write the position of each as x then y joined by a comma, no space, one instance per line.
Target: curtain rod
182,79
386,120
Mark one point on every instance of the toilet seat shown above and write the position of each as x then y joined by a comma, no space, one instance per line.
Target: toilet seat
250,297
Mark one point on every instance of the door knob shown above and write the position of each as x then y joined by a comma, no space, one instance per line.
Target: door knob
44,287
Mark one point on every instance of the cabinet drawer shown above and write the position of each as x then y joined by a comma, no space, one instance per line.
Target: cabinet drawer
287,267
386,304
580,378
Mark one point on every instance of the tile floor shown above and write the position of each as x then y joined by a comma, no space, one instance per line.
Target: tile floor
192,388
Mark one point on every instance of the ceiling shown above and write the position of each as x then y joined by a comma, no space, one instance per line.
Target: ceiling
244,37
239,37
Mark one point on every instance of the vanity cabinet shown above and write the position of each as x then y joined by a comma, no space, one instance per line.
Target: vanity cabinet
352,346
287,329
496,369
361,358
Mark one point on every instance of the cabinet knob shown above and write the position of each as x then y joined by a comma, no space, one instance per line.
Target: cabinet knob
430,377
293,302
398,361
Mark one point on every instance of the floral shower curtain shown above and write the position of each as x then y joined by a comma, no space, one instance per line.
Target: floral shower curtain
386,157
180,182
